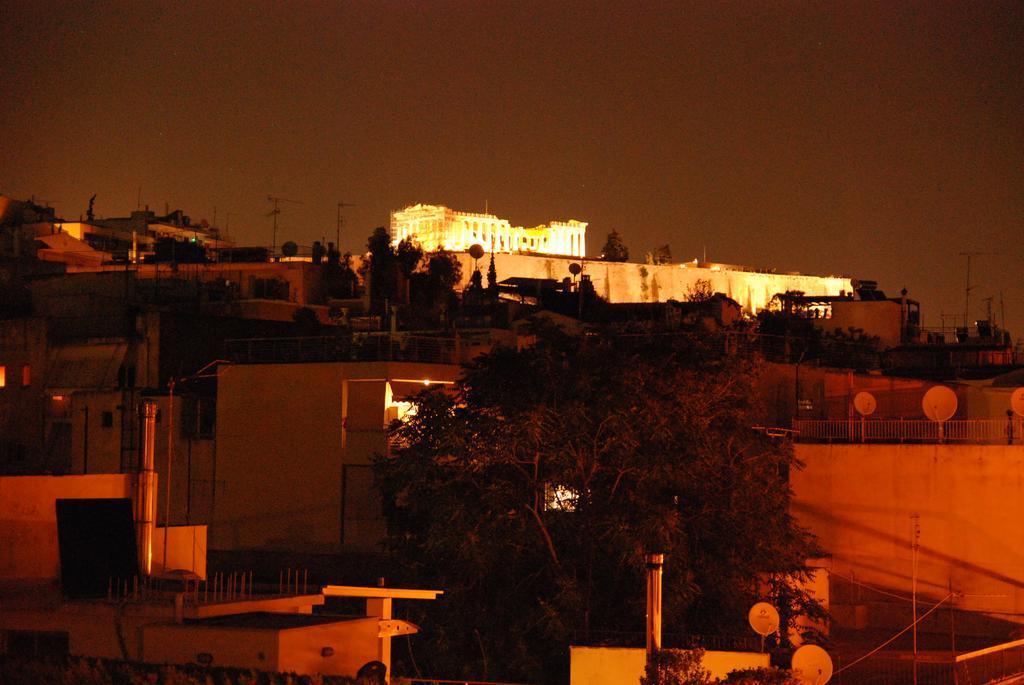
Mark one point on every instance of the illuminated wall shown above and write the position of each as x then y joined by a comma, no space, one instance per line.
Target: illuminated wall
629,282
858,500
316,428
434,226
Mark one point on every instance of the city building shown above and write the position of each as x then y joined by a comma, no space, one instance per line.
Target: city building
316,426
436,226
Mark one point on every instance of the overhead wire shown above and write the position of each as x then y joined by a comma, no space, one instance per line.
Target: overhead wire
893,638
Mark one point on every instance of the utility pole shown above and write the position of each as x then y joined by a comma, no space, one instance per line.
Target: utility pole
274,212
337,235
915,534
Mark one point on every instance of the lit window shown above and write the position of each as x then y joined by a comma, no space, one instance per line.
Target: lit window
3,376
560,498
398,411
26,376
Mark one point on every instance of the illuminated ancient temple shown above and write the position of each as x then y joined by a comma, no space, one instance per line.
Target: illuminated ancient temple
434,226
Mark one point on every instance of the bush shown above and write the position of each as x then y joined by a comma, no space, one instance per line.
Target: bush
760,676
676,667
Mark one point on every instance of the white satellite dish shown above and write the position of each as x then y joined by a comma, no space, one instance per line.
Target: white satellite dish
812,665
1017,401
865,403
764,619
939,403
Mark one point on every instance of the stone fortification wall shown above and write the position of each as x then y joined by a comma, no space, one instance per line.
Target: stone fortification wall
629,282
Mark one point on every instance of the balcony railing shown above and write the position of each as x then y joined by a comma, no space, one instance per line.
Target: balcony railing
367,347
980,431
995,664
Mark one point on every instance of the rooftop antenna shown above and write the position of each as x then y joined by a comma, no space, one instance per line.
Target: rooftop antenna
337,236
274,212
1002,309
969,288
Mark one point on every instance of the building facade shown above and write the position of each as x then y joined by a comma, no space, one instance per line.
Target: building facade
434,226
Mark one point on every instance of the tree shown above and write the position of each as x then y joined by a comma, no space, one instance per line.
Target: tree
492,278
660,255
433,290
700,291
532,488
614,249
378,271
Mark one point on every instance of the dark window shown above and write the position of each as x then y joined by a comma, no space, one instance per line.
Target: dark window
37,645
198,417
108,419
96,538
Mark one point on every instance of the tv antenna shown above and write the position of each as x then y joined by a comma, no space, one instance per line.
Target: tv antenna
274,212
337,236
969,287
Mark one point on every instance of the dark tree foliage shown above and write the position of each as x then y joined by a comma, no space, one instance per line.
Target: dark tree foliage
378,272
492,277
660,255
676,667
614,249
389,268
531,490
433,290
408,255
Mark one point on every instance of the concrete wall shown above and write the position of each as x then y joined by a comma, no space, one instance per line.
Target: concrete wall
622,665
354,643
875,317
287,420
630,282
28,519
237,647
92,627
22,343
186,549
858,499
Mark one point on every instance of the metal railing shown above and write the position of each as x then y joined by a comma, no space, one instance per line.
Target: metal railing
892,670
991,664
359,347
399,680
633,638
981,431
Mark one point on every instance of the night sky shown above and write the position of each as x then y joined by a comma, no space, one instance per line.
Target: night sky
871,139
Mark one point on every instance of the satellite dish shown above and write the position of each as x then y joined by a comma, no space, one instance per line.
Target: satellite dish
1017,401
865,403
575,269
939,403
476,251
812,665
289,249
764,619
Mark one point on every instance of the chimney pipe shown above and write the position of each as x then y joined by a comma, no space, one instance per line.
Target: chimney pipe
145,490
654,564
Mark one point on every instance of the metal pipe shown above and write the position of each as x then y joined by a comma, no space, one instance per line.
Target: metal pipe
145,490
654,564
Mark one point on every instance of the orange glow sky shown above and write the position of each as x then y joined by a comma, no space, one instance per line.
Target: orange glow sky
875,139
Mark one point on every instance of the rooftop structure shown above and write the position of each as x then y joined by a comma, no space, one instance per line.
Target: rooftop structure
436,226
